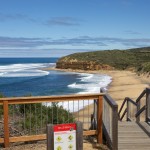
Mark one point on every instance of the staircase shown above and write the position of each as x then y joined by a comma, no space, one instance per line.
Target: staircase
134,131
128,129
132,137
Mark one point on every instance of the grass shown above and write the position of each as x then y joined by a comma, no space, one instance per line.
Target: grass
138,58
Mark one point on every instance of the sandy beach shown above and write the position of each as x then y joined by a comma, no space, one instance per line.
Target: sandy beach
124,84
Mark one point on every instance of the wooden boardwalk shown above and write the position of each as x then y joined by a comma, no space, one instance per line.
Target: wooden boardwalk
132,137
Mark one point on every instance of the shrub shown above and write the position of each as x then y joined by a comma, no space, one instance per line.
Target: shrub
119,59
1,107
36,116
32,118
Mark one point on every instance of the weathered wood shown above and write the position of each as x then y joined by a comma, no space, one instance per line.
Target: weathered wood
145,127
127,119
28,138
140,111
147,115
79,136
132,137
50,137
99,119
6,125
115,128
13,100
1,140
122,106
40,137
110,101
141,95
39,99
110,121
125,111
90,132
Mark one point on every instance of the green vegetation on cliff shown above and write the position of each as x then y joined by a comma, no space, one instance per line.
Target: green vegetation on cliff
138,59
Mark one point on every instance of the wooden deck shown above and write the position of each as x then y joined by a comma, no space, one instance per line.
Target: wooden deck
132,137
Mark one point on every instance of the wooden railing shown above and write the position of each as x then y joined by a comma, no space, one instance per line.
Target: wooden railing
146,106
129,111
12,118
110,121
141,104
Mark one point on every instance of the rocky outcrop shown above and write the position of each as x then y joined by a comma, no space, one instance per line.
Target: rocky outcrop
82,65
138,59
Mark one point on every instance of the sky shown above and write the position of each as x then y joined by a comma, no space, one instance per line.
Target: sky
54,28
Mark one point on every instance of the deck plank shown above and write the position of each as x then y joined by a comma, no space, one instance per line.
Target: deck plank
132,137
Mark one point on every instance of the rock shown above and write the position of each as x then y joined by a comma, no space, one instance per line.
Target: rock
82,65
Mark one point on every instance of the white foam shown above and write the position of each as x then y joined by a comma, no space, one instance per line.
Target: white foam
91,83
88,83
87,77
23,70
73,85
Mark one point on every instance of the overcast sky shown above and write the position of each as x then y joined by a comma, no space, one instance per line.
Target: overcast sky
53,28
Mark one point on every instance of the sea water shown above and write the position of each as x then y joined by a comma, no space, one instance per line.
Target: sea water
26,76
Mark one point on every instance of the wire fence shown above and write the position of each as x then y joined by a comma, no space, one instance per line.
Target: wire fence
29,116
31,119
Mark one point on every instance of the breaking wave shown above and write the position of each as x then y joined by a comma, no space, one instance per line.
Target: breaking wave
24,70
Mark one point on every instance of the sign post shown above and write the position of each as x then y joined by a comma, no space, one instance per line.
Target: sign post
65,136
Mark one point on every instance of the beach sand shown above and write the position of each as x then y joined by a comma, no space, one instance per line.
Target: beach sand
124,84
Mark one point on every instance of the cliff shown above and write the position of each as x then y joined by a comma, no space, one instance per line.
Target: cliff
82,65
137,59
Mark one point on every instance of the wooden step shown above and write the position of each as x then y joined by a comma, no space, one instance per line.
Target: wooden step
146,126
132,137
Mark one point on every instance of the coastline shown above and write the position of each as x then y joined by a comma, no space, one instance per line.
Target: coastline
124,83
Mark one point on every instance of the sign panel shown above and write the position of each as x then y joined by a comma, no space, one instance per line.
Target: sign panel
65,137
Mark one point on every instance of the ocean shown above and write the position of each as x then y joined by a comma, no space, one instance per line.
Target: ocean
26,76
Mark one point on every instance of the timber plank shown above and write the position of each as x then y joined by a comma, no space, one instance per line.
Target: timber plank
132,137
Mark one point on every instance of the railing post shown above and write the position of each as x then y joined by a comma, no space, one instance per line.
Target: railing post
115,128
138,108
50,137
147,117
127,110
6,125
99,119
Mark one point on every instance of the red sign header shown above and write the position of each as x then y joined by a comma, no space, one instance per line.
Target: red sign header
64,127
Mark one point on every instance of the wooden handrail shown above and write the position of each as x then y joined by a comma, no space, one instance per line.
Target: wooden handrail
39,99
122,106
124,102
148,105
113,141
133,102
141,95
109,100
125,111
137,104
140,111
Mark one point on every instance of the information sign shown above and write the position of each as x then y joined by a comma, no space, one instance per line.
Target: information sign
65,137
